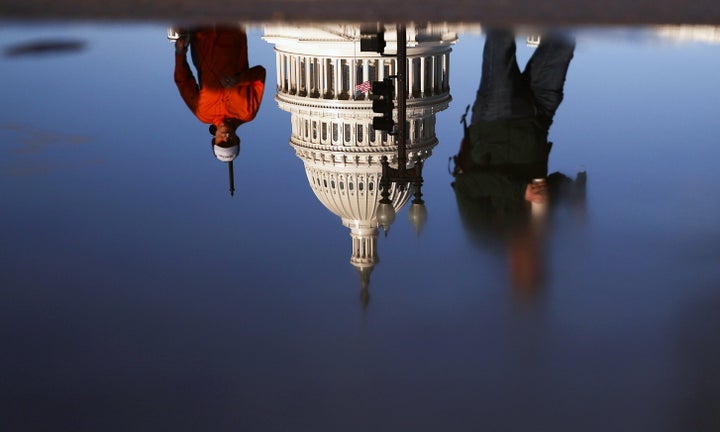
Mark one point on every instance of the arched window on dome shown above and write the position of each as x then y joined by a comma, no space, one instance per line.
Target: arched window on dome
428,82
307,130
347,129
324,136
329,82
372,69
314,131
289,73
335,133
445,73
361,250
344,91
437,78
359,79
292,67
415,77
283,72
303,85
371,135
360,136
388,67
314,79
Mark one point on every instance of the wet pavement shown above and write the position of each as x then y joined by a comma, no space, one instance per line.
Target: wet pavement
137,294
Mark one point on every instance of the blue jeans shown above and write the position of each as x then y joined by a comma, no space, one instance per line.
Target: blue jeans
506,94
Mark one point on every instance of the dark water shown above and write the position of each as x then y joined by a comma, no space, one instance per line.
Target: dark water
137,294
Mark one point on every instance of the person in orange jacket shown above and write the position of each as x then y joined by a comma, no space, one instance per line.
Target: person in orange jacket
227,92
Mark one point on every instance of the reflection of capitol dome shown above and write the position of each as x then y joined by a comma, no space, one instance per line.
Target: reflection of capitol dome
318,69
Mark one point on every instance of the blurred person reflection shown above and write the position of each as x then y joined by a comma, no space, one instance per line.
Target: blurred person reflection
227,92
501,180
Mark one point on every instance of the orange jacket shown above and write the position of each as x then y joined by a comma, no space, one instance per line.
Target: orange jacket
219,54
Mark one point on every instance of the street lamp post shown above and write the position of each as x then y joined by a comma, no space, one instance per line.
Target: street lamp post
402,175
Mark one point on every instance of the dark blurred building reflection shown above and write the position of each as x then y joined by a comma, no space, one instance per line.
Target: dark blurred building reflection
322,81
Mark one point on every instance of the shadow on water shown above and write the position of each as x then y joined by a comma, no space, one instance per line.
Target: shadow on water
44,47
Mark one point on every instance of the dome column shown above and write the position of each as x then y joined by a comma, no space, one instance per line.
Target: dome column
423,65
278,73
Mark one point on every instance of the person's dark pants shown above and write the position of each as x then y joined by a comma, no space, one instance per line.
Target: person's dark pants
505,93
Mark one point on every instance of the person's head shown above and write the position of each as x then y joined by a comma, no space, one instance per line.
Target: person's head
225,142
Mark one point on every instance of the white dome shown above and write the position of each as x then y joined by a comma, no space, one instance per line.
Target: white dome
352,194
318,69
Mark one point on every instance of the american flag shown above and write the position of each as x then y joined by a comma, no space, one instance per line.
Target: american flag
363,87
